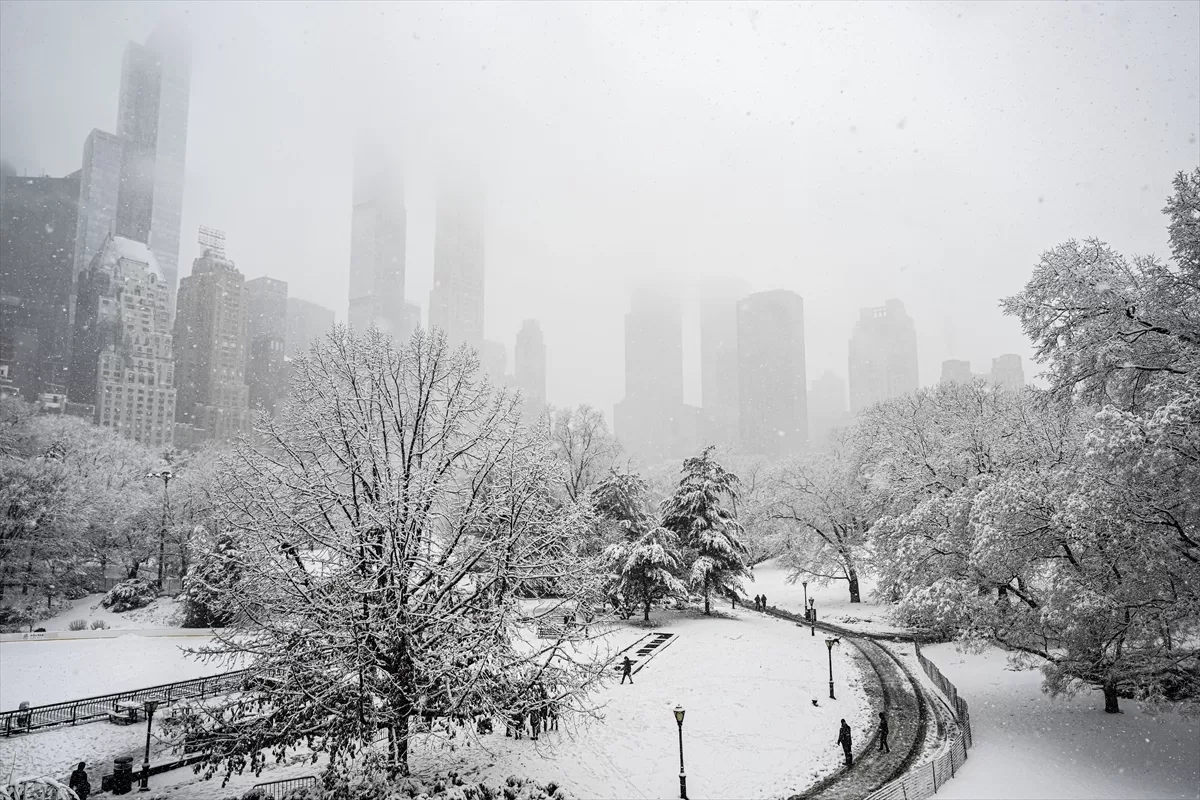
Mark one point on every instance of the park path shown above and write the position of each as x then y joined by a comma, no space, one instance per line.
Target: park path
641,651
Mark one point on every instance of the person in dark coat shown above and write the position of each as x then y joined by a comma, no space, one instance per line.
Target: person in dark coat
79,782
627,670
757,603
764,602
883,733
844,740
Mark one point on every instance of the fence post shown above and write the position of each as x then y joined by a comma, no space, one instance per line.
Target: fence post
933,764
74,712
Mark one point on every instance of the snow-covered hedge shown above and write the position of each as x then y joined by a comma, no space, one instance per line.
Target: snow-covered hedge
130,594
447,787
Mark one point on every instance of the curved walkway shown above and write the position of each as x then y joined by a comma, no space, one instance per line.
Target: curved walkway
899,694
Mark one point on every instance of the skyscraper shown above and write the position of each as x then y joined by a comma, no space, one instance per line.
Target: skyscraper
378,235
152,117
772,400
529,370
210,346
37,271
456,300
1008,372
122,361
883,355
266,336
956,371
649,421
826,407
99,187
719,363
306,323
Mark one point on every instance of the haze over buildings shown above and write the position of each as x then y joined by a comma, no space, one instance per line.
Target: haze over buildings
772,387
883,355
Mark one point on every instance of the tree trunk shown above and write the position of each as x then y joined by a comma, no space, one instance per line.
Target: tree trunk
852,574
707,610
133,569
646,610
400,757
1110,699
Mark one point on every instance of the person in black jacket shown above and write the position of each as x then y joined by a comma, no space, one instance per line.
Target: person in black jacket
844,740
627,670
79,782
883,733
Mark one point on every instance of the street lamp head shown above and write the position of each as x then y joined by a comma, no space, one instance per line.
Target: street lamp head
831,642
679,714
804,584
150,705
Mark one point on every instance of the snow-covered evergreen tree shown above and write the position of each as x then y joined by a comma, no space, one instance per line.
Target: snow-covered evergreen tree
645,568
700,513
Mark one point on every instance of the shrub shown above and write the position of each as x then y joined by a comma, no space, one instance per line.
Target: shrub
437,787
13,619
99,625
77,625
129,595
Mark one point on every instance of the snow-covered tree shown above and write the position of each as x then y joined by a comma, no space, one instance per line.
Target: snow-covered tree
387,520
646,568
822,499
582,442
700,513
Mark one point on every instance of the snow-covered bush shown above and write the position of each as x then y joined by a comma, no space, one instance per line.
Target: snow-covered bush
441,787
209,582
99,625
77,625
129,595
13,619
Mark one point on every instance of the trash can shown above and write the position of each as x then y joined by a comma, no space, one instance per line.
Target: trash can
122,780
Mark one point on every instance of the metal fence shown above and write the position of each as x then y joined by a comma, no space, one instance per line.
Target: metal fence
279,789
91,709
926,778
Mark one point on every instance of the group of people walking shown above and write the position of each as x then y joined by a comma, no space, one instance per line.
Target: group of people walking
540,716
845,739
760,602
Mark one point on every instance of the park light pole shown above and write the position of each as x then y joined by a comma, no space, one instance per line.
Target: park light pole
812,616
682,775
830,643
166,476
149,706
805,585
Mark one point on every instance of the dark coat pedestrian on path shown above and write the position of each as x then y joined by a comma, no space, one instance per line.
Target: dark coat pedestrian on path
757,602
627,670
846,743
79,782
883,733
764,602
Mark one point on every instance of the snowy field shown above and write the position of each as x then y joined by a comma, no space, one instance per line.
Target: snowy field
165,612
832,599
1028,746
747,682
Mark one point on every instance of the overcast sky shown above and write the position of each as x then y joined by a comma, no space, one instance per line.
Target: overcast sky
851,153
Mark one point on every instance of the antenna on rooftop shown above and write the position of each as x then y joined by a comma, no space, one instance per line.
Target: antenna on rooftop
212,239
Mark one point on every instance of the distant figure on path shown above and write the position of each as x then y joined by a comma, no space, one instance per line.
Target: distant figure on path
883,732
79,782
627,670
757,602
764,602
844,740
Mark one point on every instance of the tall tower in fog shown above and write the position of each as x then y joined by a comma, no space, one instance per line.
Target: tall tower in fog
648,420
529,369
99,188
266,341
883,355
1008,372
152,119
719,363
456,300
772,398
378,237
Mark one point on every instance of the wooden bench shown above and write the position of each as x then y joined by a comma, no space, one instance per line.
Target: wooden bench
121,717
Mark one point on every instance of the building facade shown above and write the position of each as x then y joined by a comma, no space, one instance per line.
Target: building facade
266,336
956,371
827,411
378,238
772,399
37,271
456,300
529,370
883,355
122,365
719,366
306,323
650,420
1008,372
99,187
210,350
152,119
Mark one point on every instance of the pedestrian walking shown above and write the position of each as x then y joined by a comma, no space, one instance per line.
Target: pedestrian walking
764,608
552,710
79,782
535,723
844,740
627,670
883,733
757,603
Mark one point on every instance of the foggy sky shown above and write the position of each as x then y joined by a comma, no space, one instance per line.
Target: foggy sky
851,153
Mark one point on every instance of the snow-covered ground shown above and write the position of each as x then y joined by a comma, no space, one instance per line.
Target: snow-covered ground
1029,746
72,669
832,599
747,683
165,612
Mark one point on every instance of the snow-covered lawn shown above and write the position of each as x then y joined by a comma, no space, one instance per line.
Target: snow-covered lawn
165,612
1029,746
72,669
832,600
747,683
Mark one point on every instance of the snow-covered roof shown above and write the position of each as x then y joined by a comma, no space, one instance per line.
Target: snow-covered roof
118,247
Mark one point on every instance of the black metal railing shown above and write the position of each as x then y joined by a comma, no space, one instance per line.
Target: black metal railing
91,709
279,789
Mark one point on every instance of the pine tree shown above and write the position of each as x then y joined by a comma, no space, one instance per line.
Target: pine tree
697,513
646,569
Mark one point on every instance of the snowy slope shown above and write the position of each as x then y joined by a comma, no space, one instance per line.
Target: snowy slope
165,612
832,600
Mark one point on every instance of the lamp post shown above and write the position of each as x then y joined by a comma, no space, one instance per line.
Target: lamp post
682,775
812,616
149,706
805,585
830,643
166,476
